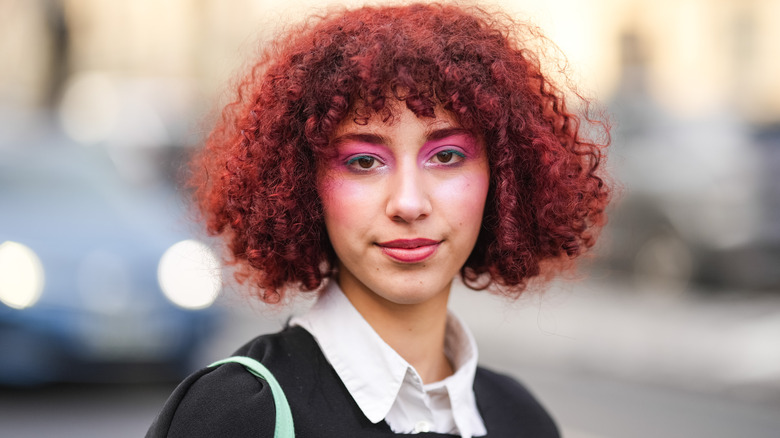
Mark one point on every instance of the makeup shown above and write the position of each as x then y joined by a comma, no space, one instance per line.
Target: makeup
409,250
462,144
403,204
359,157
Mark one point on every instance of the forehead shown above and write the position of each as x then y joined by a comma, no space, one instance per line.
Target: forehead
395,115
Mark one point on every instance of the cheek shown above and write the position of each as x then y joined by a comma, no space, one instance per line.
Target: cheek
343,201
464,198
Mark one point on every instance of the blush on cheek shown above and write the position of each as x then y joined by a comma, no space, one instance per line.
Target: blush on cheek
341,197
467,193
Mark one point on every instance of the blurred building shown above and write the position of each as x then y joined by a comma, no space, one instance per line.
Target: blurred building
692,88
701,54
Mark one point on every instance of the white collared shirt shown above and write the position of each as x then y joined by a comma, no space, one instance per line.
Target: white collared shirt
383,384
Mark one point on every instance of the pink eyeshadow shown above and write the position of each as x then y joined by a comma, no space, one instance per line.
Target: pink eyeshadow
464,142
348,150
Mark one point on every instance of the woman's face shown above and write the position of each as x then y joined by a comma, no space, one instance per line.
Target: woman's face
403,203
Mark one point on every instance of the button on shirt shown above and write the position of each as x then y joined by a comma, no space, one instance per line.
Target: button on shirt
383,384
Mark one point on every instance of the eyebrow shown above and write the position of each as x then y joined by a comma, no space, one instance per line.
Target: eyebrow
382,140
448,132
363,138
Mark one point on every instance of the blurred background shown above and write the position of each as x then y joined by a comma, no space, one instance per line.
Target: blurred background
109,293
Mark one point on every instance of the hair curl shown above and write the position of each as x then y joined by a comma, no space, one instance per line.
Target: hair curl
255,179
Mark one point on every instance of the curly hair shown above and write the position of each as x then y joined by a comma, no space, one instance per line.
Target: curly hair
255,179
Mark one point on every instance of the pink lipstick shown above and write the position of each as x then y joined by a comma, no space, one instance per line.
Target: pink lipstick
409,250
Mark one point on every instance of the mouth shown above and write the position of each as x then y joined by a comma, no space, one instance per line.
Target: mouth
409,250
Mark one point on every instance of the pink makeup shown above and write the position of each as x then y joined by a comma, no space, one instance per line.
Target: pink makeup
409,250
403,204
462,142
356,156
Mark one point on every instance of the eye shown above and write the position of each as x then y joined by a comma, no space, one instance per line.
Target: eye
445,156
448,157
362,162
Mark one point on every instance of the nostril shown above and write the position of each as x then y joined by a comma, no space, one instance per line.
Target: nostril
408,204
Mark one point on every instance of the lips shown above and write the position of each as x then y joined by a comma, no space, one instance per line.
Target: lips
409,250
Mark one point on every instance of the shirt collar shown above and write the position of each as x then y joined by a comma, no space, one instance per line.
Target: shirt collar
373,372
461,349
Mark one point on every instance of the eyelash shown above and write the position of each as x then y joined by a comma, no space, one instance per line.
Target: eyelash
351,163
454,153
354,162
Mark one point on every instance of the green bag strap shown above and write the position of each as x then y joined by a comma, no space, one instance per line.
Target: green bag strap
284,422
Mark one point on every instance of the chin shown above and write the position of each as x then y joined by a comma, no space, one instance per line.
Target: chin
414,291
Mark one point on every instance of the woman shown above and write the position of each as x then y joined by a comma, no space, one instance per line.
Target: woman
371,156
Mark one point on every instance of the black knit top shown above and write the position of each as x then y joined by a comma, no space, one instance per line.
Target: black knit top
228,401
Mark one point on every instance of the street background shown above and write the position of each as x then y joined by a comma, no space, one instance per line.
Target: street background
608,362
670,329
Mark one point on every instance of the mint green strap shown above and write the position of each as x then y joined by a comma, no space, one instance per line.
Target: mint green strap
284,421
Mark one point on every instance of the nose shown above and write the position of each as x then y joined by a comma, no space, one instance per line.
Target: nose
409,199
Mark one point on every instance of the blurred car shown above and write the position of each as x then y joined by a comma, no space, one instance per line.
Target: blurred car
98,281
698,195
699,202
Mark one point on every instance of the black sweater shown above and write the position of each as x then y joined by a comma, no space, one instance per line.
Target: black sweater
228,401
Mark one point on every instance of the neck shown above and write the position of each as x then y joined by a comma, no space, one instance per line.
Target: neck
415,331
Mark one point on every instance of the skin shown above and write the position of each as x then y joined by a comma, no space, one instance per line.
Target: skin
389,185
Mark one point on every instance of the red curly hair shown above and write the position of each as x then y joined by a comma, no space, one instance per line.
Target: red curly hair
255,179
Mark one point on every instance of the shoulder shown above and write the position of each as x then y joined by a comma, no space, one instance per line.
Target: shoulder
507,404
497,384
217,401
227,400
